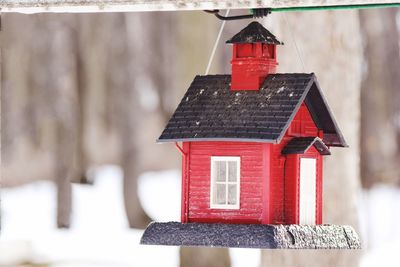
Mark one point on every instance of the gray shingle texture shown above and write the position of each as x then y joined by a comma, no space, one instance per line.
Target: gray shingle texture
300,145
211,111
254,33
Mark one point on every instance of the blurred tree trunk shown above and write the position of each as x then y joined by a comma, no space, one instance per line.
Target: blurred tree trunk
68,89
162,55
112,64
204,257
41,103
330,45
195,37
380,98
62,90
129,55
80,161
60,87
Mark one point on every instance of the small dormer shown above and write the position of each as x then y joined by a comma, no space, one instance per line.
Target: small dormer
254,57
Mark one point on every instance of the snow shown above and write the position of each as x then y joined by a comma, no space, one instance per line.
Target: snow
380,231
99,234
167,187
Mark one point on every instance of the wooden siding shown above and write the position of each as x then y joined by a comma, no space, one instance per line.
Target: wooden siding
251,174
269,189
266,219
185,182
284,175
291,189
277,163
302,124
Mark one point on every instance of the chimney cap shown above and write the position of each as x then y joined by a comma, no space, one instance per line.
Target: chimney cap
254,33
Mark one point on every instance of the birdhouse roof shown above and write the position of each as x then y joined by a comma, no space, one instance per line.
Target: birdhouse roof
210,110
300,145
254,33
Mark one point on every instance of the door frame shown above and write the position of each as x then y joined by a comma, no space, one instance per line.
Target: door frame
314,189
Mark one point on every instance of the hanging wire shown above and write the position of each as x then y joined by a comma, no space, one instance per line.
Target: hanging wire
216,43
256,13
263,12
337,7
295,43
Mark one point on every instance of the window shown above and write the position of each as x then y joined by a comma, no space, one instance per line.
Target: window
268,51
225,183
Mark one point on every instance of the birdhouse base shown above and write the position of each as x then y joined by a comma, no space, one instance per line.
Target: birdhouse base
251,236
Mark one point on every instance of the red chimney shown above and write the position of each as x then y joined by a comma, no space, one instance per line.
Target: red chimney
254,57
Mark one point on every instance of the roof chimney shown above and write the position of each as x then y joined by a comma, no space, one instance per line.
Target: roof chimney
254,57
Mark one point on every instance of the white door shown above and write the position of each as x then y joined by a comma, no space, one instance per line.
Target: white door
308,184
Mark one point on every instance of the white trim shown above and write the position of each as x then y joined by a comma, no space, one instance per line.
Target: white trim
308,187
213,182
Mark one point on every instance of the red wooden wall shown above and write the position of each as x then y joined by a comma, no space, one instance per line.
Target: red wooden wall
252,174
269,180
251,63
291,208
302,125
292,182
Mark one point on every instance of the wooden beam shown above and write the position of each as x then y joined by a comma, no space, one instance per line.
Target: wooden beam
81,6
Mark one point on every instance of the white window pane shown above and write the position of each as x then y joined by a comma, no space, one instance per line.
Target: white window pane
215,170
220,171
232,194
225,178
220,194
232,171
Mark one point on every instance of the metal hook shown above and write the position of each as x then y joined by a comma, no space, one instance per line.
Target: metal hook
256,13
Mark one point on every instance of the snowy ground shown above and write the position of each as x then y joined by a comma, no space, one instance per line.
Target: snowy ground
99,235
380,226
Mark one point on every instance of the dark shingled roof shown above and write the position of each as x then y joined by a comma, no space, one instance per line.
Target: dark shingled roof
211,111
254,33
299,145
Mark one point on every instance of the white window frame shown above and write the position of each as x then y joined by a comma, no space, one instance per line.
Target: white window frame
213,182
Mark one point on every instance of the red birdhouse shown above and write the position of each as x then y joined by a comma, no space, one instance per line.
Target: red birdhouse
252,142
